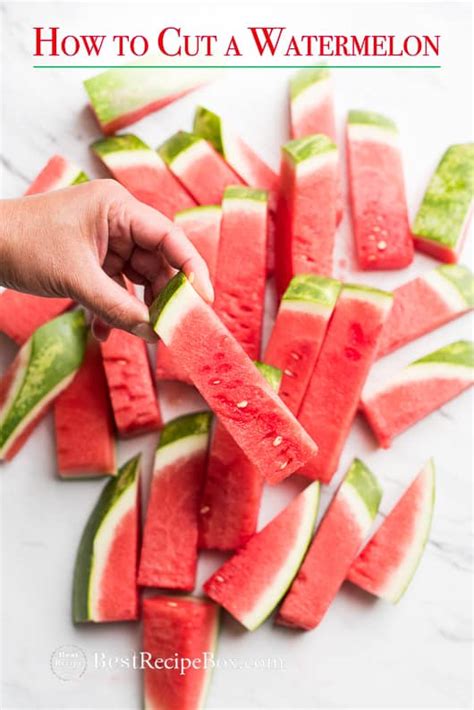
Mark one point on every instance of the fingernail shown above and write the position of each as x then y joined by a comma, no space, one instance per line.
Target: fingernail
146,332
191,277
209,293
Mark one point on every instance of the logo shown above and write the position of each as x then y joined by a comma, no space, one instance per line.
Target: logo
68,662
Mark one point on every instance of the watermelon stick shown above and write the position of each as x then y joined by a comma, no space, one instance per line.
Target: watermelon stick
183,629
122,96
198,167
138,168
169,550
21,313
240,291
349,349
230,502
306,212
252,582
334,547
426,303
386,565
84,425
202,227
441,223
104,587
378,204
298,333
225,376
418,390
43,368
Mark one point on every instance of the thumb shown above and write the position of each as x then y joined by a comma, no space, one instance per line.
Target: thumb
114,305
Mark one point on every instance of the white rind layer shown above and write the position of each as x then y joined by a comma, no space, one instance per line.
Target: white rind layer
210,214
103,542
181,448
310,99
180,304
277,586
68,177
43,404
123,159
357,507
241,206
419,372
446,290
310,307
318,162
370,133
190,155
383,301
396,584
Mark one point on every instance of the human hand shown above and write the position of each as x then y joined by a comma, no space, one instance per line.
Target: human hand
77,242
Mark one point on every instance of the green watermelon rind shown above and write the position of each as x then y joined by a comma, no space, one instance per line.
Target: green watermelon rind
462,278
167,294
302,149
178,144
112,492
241,192
182,427
371,118
208,125
56,351
197,211
460,352
442,214
366,486
273,375
118,144
314,289
305,78
80,178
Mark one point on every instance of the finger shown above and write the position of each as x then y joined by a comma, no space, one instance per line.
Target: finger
183,255
100,330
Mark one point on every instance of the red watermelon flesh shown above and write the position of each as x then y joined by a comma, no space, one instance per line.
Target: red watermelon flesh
57,173
386,565
198,167
252,582
85,443
240,292
169,549
230,501
333,549
379,210
202,226
348,351
21,313
298,333
138,168
185,629
418,390
426,303
132,392
241,398
306,212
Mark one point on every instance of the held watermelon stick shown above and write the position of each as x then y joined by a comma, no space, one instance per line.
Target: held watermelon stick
198,167
230,502
252,582
386,565
182,628
334,547
104,587
378,204
254,415
298,333
85,444
426,303
138,168
348,351
418,390
306,212
202,227
170,539
120,97
43,368
442,220
240,291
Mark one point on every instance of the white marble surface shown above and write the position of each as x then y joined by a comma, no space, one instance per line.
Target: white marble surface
366,654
